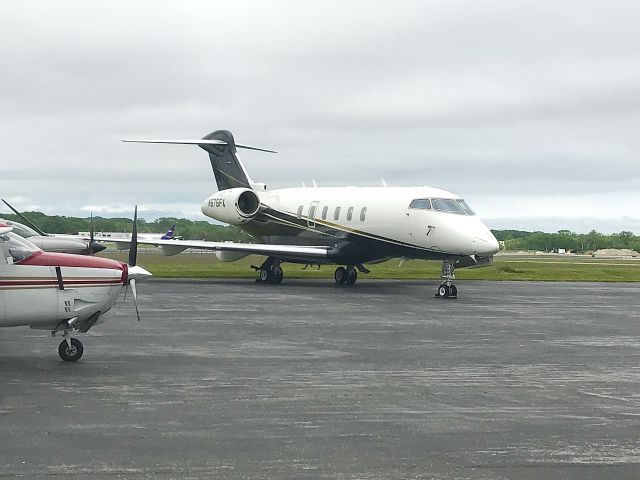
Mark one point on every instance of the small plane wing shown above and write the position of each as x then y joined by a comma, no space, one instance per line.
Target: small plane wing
173,247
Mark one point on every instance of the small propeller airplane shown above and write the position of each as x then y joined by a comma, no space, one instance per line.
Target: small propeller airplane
347,226
54,243
60,292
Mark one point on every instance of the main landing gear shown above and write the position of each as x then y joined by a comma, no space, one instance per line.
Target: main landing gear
348,275
270,271
447,289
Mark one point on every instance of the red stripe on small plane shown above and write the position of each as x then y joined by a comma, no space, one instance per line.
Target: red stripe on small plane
50,259
36,283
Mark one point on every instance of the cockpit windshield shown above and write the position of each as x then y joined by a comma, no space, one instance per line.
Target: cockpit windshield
449,205
17,247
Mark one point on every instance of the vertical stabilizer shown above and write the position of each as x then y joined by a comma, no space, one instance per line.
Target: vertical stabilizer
227,167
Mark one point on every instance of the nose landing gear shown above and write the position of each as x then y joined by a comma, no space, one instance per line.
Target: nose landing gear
447,289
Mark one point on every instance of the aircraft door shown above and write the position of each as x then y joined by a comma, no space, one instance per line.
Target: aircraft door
311,218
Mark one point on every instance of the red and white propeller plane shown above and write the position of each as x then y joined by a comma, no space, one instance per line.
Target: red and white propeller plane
60,292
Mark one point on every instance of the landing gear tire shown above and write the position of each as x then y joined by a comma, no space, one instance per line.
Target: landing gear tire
277,275
340,275
447,291
265,275
352,275
70,353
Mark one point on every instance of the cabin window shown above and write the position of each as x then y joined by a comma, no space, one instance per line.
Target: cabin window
336,214
363,214
325,209
463,205
312,211
420,204
349,214
300,211
446,205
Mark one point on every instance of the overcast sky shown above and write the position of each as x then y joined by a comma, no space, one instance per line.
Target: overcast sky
529,110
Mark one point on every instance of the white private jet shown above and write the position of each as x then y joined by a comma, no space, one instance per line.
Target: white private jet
60,292
347,226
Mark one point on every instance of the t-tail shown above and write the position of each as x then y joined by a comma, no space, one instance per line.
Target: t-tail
169,234
227,167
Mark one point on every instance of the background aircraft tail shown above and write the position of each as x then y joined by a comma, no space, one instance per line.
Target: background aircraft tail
169,234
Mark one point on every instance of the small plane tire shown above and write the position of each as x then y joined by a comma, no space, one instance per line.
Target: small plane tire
352,275
453,291
340,275
73,353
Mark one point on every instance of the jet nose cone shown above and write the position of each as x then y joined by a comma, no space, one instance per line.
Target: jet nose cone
486,244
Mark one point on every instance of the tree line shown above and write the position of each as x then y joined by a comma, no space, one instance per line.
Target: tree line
187,229
576,242
202,230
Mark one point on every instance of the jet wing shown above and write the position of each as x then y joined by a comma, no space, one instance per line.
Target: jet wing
172,247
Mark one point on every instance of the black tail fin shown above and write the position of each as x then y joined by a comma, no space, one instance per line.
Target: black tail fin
227,168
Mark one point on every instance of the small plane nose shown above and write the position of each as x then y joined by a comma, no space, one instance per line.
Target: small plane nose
95,247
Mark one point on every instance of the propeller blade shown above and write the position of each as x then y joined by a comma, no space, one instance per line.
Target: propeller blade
26,220
91,235
132,282
93,246
133,248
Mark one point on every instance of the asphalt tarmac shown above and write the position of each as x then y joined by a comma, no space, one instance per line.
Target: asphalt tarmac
232,379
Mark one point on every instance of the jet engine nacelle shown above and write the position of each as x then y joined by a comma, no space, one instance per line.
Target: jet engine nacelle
234,206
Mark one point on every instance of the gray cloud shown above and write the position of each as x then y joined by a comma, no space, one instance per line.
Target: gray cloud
505,103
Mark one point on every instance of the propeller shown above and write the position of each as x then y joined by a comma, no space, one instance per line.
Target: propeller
135,272
94,247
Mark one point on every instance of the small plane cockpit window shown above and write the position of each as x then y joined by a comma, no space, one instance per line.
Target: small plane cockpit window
447,205
463,205
336,214
22,230
349,214
300,211
420,204
18,247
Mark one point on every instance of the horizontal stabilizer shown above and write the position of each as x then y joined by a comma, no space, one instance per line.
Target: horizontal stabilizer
197,142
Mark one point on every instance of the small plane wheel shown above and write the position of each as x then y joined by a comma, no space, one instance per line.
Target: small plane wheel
73,353
277,275
265,275
443,291
340,275
352,275
453,292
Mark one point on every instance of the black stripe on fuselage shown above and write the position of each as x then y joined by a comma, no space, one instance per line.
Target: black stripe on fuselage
348,245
